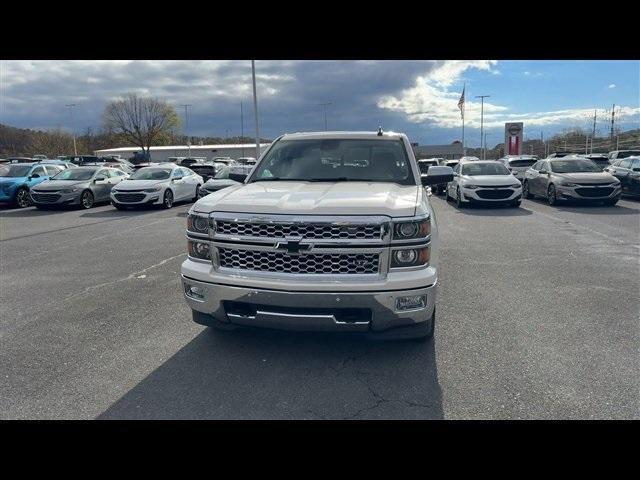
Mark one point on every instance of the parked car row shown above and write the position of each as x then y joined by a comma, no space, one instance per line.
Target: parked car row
48,184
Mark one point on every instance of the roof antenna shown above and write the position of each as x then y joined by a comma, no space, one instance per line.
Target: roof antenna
380,131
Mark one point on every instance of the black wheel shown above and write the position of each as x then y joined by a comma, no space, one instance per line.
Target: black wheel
459,202
195,199
23,198
525,190
167,200
86,200
552,198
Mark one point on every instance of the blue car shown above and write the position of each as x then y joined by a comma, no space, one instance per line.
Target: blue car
17,178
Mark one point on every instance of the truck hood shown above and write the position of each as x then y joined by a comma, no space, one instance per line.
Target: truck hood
314,198
588,177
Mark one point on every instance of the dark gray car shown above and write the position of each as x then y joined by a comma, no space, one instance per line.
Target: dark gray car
570,178
220,181
82,186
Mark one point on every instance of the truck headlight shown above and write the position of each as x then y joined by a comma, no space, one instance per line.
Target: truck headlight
410,257
409,230
199,250
198,224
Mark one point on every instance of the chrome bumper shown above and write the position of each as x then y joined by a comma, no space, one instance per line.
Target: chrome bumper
286,310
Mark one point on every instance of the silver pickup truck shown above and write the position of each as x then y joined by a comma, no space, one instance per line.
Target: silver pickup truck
331,232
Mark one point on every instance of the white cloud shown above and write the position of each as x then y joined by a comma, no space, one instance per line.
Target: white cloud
613,85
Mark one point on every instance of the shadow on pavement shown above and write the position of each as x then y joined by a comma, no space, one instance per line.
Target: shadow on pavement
29,212
591,208
255,374
114,212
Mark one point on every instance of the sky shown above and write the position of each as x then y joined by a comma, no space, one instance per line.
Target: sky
419,98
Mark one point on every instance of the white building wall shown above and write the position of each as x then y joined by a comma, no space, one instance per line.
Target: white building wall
161,154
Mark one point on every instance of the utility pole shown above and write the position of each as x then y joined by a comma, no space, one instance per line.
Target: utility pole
593,133
70,106
586,145
186,126
482,97
241,128
324,107
255,108
613,115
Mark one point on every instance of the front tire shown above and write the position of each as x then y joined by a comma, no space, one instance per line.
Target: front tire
167,200
552,197
195,199
86,200
525,190
23,198
515,204
459,202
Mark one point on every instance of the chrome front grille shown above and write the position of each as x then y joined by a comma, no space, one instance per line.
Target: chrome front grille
309,263
325,231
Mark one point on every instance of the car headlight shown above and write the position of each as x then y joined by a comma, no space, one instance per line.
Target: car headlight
410,257
414,229
469,186
569,184
198,224
69,190
516,186
151,190
199,250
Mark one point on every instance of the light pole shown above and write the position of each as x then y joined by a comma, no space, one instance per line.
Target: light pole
73,132
241,128
186,125
255,107
482,97
324,107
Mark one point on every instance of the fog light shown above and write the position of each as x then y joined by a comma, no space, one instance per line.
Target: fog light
413,302
194,292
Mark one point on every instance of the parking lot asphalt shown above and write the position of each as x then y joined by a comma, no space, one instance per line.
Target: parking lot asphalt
538,318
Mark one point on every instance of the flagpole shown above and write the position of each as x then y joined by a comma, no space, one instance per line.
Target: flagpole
464,148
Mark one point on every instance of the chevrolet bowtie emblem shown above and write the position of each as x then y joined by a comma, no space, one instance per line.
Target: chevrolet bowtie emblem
293,247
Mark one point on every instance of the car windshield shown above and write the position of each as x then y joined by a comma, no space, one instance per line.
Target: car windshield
630,153
151,174
522,162
573,166
484,169
15,170
74,174
336,160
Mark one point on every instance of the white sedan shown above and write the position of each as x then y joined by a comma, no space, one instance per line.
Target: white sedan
484,181
157,185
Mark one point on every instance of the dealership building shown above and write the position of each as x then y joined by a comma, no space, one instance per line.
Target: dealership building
162,154
448,152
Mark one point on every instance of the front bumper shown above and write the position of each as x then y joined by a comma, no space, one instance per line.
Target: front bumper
308,311
54,198
476,195
124,198
574,193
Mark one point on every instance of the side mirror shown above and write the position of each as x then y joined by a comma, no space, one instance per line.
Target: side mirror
437,175
238,177
35,175
98,179
514,173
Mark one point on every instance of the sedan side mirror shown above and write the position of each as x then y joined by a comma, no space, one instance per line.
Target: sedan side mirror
238,177
437,175
34,175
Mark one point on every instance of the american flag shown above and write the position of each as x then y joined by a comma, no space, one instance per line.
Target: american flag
461,103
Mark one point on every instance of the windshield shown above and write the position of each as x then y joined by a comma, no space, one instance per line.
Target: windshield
630,153
572,166
522,163
15,170
151,174
484,169
74,174
336,160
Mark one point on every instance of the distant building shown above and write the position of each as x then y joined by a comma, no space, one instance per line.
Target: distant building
450,152
161,154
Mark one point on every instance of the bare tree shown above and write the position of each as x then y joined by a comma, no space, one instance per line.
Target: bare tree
144,121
